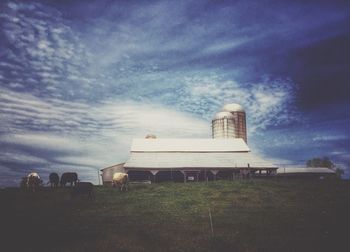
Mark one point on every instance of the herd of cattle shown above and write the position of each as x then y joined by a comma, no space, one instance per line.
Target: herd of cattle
33,181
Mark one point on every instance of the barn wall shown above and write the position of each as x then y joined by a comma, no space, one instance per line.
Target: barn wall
107,173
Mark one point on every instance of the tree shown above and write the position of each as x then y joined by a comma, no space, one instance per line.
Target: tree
320,162
325,162
339,172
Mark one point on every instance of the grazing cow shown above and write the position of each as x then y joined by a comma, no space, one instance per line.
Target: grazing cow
33,181
54,179
83,188
69,177
121,180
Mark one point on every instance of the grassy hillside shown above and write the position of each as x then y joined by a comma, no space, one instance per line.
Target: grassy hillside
255,215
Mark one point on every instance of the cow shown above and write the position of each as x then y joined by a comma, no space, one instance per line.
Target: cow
69,177
54,179
121,180
83,188
33,181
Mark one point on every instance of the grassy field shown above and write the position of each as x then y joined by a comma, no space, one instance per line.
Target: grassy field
255,215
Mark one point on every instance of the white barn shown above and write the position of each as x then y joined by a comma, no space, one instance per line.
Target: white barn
193,160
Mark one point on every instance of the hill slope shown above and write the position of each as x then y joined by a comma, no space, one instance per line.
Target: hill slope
255,215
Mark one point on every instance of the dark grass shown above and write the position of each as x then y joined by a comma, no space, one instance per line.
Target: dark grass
255,215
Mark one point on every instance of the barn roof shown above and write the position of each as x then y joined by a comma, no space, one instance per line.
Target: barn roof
178,160
189,145
113,166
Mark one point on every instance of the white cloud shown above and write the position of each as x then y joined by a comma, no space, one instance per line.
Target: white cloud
44,141
20,157
82,135
45,50
338,152
225,46
330,137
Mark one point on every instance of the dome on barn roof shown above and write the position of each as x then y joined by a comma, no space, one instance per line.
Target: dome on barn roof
233,107
151,136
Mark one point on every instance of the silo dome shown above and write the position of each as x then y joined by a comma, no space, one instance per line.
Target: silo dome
233,107
223,125
222,115
239,119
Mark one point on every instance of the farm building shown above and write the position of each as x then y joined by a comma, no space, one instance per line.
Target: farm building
194,160
310,172
107,173
225,156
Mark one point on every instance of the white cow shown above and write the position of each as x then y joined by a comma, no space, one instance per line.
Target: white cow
121,180
33,181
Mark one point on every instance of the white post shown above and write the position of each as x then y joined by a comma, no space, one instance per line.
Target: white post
98,175
211,223
214,172
154,173
184,173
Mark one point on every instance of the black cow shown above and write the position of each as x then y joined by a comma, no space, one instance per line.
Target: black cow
69,177
83,188
54,179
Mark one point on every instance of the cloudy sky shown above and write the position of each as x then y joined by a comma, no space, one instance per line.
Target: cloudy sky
80,79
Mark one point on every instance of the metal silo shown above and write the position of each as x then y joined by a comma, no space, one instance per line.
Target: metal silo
239,118
223,125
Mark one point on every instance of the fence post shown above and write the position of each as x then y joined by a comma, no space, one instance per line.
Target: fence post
211,223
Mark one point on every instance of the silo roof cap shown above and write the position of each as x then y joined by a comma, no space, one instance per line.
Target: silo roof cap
222,115
233,107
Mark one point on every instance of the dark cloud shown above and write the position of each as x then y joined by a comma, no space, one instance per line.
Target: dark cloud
322,71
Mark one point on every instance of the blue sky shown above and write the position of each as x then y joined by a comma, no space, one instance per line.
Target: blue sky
80,79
